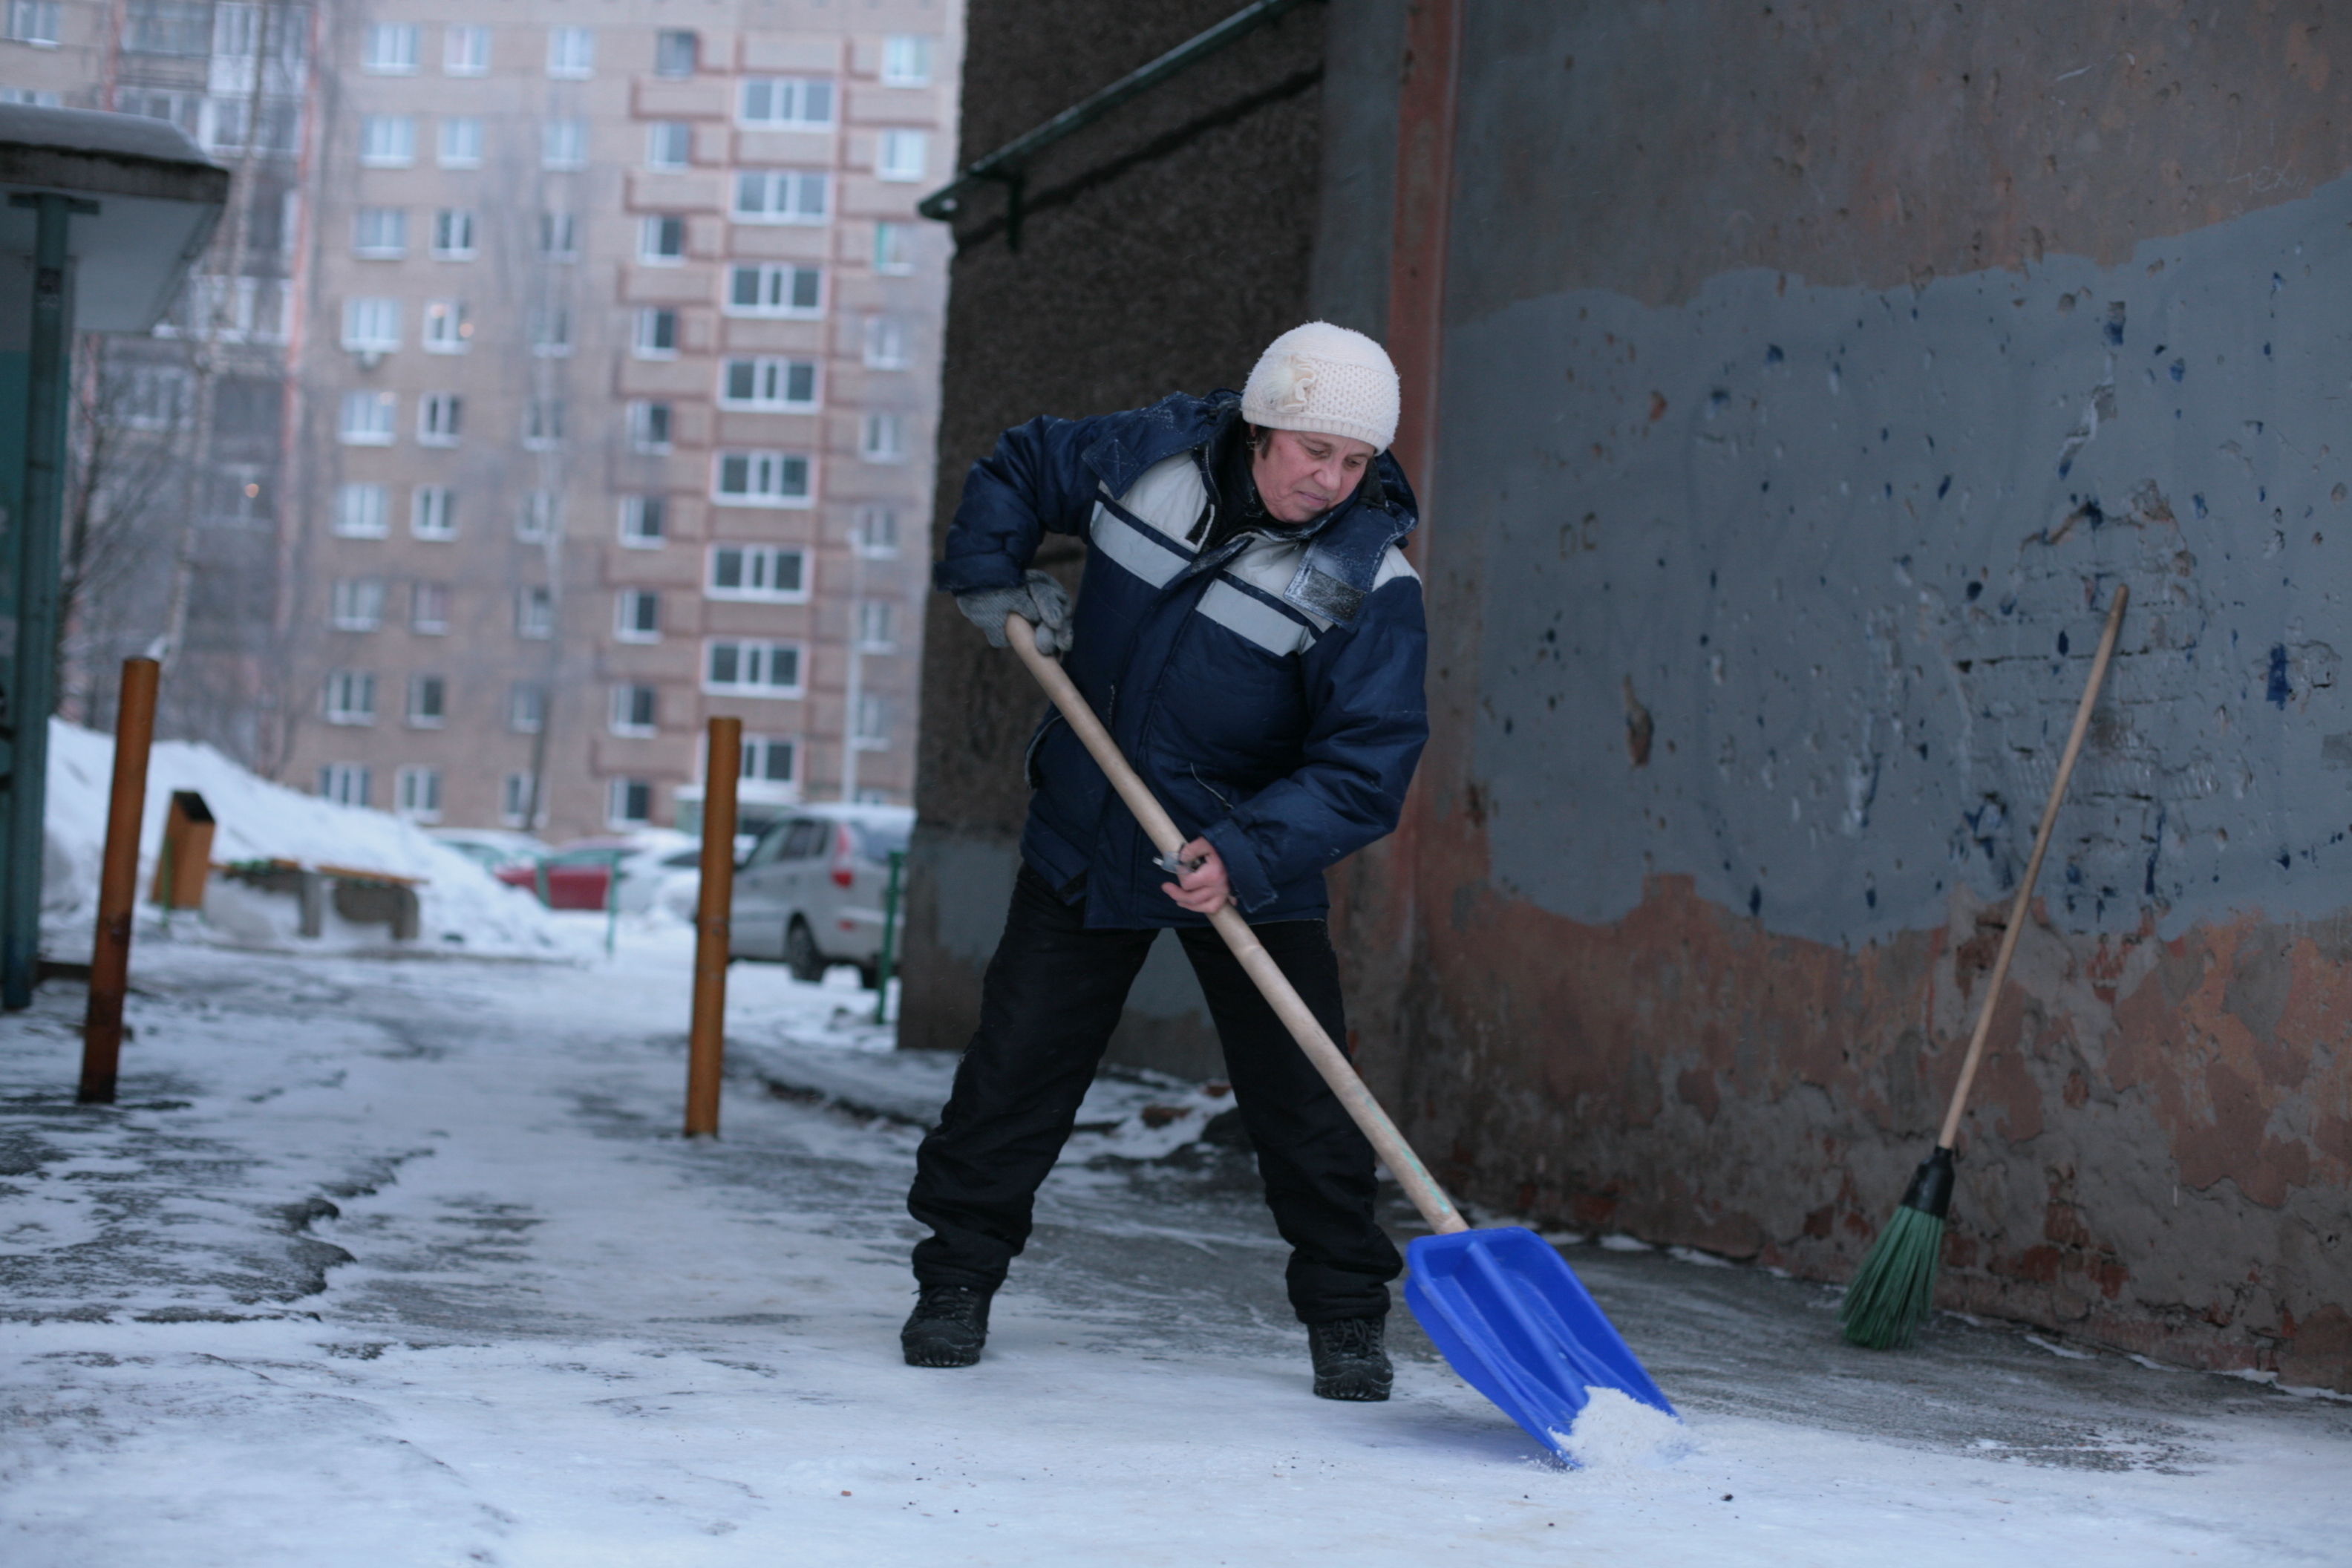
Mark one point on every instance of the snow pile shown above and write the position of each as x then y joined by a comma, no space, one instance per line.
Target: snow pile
463,907
1616,1431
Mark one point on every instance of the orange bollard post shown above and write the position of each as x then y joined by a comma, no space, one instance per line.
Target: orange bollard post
706,1046
118,883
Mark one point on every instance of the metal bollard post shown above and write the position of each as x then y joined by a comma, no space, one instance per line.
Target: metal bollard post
118,883
891,896
707,1041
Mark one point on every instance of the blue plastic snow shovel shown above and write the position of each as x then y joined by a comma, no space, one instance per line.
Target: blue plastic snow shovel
1504,1307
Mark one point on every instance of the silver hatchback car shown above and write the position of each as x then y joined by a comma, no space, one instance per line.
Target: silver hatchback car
811,892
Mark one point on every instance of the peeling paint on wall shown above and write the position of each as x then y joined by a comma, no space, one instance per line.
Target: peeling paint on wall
1856,569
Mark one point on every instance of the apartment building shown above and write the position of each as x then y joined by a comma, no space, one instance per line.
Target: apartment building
618,402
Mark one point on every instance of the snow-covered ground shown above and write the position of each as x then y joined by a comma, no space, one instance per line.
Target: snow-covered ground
387,1262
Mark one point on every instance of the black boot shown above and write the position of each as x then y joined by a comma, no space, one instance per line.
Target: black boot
949,1325
1349,1363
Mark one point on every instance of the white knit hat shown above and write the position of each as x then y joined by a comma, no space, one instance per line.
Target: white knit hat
1326,379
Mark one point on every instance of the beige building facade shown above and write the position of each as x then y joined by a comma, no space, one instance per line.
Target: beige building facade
617,397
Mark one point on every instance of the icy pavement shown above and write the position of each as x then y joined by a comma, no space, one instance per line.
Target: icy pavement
389,1263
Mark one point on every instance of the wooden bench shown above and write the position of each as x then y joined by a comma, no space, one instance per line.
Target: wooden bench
360,896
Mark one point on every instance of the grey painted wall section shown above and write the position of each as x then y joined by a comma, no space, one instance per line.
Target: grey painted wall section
1363,57
1845,553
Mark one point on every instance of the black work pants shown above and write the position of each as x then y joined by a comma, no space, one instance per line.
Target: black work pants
1052,995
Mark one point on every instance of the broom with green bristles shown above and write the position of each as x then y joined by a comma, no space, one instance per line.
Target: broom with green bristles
1895,1288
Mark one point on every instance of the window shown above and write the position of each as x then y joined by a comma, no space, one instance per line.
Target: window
360,510
389,49
669,144
449,330
782,195
33,22
540,515
901,155
542,423
439,417
371,325
649,427
453,234
433,512
906,60
787,384
350,696
466,51
775,291
368,418
752,668
461,143
519,799
767,760
563,144
661,241
551,330
357,604
224,124
570,52
885,344
387,141
757,572
674,54
380,234
525,708
891,253
33,96
637,616
428,609
762,478
874,617
628,802
559,237
535,613
345,784
181,109
875,531
236,30
428,701
169,27
416,793
870,725
882,438
786,103
149,396
643,521
635,711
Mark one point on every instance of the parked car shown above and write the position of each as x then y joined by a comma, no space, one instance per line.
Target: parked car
494,848
576,876
811,892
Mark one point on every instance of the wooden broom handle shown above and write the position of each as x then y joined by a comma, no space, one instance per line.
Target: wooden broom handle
2024,903
1387,1142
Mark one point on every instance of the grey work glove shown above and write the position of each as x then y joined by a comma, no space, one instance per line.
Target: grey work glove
1040,601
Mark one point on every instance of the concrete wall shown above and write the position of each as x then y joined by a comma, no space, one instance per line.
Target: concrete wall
1812,376
1160,250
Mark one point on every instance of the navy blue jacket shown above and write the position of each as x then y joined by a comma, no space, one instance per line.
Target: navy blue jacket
1268,689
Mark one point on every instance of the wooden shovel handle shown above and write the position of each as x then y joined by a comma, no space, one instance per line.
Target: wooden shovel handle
2024,901
1387,1142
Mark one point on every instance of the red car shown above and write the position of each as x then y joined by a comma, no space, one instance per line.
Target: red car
575,877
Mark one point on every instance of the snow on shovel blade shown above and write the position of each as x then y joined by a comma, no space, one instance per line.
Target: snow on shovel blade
1515,1320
